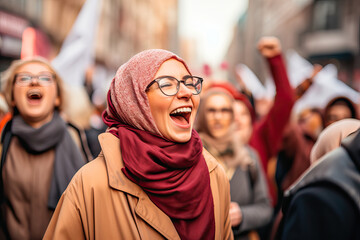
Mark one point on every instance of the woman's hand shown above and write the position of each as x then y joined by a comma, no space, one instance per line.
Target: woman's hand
235,214
269,46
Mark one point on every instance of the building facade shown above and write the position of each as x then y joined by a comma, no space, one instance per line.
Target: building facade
126,26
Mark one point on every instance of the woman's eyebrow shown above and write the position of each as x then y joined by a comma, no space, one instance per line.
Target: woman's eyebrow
24,72
163,76
42,72
186,76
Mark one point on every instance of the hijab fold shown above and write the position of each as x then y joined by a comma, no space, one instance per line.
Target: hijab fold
331,137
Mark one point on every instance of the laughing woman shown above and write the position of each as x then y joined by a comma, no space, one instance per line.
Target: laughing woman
38,155
153,179
250,206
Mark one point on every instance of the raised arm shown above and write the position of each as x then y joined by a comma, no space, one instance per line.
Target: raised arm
267,133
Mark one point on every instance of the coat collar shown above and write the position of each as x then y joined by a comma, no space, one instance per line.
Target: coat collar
110,146
145,208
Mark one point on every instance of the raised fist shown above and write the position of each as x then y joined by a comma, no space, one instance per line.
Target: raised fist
269,46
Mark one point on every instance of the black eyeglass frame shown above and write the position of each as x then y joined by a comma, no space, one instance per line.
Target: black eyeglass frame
178,83
52,75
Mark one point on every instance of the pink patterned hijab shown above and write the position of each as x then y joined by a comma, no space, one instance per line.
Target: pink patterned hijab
128,87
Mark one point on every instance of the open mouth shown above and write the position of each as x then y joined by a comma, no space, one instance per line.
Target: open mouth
181,115
34,95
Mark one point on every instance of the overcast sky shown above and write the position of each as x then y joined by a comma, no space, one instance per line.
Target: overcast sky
210,23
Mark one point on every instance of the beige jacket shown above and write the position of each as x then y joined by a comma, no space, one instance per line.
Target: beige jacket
102,203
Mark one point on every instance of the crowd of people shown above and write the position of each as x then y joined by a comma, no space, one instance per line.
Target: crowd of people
178,158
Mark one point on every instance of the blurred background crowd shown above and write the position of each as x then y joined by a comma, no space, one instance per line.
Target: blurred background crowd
316,29
277,102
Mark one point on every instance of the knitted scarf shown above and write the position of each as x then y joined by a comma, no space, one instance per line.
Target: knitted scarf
53,134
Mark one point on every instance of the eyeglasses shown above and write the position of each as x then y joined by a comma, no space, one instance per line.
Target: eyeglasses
222,111
25,79
170,86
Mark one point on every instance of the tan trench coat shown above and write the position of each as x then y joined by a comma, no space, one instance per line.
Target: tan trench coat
102,203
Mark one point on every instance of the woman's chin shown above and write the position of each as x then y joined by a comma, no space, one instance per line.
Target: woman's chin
180,137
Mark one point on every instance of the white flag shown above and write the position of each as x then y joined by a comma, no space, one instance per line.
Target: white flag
252,83
325,87
77,52
298,68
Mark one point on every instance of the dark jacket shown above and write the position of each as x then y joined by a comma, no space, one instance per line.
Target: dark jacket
325,202
251,193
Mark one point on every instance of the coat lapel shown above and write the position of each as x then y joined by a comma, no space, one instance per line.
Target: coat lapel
151,214
145,208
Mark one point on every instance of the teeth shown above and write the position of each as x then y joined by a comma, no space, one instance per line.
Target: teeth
34,93
184,110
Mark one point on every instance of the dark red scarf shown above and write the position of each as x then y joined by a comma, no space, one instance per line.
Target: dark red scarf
174,176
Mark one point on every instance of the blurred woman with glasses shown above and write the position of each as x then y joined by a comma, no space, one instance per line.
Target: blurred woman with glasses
250,204
153,179
38,157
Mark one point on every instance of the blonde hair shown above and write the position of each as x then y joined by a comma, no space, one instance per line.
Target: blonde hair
9,78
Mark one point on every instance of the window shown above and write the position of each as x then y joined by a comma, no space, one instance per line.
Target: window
326,15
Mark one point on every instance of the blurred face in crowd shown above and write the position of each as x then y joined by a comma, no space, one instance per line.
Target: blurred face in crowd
35,93
242,121
263,106
173,115
310,123
218,115
336,113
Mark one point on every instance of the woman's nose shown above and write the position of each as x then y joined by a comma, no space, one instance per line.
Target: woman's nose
34,81
184,92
